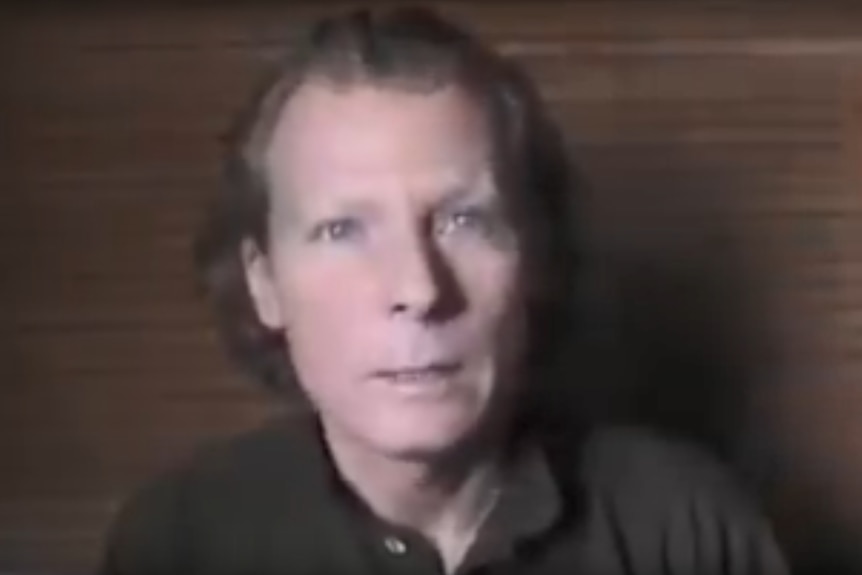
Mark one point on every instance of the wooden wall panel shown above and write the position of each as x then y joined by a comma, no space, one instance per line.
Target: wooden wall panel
721,147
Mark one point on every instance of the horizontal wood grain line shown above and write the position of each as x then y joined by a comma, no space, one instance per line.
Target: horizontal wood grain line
132,25
829,48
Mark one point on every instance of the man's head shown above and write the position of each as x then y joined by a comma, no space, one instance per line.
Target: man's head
394,213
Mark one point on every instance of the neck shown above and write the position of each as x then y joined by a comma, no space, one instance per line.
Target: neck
436,496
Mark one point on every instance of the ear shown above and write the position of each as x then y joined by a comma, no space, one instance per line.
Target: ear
261,283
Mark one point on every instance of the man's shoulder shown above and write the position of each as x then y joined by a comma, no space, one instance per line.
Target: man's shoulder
644,460
219,507
246,471
217,499
670,502
645,479
280,458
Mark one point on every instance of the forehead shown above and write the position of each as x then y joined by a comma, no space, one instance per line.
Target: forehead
329,138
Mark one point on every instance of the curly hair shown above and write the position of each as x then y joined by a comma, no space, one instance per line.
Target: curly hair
405,49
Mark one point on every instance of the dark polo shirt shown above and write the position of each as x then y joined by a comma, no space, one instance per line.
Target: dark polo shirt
615,501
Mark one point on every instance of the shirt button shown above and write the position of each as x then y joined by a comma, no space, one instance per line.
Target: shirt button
395,545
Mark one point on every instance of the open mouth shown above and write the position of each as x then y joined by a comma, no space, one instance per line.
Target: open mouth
429,374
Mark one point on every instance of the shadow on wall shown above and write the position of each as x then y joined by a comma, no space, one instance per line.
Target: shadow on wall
672,334
684,342
676,335
687,340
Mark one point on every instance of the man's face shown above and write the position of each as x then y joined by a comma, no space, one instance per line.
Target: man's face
393,267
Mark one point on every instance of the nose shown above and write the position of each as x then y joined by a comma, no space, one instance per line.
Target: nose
421,284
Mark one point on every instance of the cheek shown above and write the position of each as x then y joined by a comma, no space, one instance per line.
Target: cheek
320,290
495,294
492,283
325,311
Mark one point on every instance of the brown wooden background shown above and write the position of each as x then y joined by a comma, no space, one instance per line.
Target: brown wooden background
722,147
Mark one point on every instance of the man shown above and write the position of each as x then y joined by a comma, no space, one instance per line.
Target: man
396,242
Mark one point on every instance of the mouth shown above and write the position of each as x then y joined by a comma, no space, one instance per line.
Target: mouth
413,376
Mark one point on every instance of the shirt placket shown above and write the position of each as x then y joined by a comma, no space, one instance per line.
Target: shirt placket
406,553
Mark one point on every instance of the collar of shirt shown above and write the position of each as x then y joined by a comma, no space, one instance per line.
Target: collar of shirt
529,505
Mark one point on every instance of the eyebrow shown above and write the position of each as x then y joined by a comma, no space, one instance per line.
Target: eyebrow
361,207
459,195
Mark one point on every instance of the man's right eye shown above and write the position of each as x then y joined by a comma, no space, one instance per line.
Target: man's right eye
336,230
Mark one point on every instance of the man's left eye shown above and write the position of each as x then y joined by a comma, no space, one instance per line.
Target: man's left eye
469,218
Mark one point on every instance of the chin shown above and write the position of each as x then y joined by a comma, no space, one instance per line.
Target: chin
423,437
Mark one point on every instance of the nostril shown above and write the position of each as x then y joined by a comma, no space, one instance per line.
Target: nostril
399,308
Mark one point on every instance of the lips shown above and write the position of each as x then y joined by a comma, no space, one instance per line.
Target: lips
431,373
